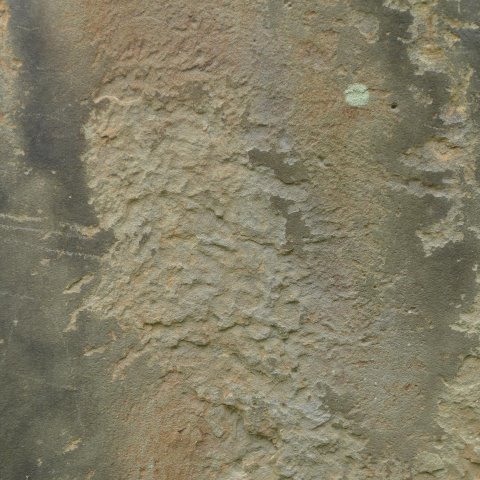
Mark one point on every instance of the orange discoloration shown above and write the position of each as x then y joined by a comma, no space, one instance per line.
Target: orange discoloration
167,435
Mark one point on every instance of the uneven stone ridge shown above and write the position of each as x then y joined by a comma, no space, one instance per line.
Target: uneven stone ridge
239,239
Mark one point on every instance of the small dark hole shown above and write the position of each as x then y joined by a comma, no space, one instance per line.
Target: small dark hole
394,105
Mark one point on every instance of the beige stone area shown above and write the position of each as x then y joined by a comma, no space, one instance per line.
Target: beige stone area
293,268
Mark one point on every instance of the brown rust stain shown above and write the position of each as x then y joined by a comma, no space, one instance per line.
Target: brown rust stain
138,40
167,437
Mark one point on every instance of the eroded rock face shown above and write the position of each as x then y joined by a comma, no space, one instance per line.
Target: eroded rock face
240,240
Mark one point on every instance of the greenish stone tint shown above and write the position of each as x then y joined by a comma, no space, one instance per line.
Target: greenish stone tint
357,95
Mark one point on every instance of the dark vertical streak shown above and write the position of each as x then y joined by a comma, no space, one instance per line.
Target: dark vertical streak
420,348
54,109
46,383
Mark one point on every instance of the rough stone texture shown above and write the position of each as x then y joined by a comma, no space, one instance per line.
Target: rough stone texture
240,239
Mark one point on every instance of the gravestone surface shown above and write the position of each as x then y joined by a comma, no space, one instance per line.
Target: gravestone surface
240,240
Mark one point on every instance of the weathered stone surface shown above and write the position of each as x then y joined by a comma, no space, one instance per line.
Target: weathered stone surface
240,239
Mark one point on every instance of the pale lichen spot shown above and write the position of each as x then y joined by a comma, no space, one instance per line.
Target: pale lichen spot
357,95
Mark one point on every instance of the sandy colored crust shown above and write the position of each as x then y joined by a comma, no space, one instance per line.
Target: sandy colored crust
241,239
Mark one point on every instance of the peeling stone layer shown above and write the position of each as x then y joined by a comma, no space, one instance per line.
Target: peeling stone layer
240,240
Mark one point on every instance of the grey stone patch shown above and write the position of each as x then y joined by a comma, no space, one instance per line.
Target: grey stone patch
296,231
289,172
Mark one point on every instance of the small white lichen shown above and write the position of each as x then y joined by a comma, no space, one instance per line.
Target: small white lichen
357,95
